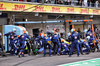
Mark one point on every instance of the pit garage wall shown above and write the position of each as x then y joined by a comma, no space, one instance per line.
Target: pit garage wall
48,27
87,25
80,25
3,21
30,27
45,27
1,31
60,26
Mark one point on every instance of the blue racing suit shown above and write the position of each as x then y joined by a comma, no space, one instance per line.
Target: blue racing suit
96,43
18,45
56,41
13,46
80,47
18,42
47,42
86,46
38,40
69,38
22,41
12,41
65,46
89,33
10,34
75,43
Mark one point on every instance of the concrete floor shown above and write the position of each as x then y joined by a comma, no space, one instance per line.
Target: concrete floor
39,60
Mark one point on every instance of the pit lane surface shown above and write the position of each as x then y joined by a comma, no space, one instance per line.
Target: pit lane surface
39,60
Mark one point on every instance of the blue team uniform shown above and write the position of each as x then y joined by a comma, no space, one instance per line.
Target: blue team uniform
18,42
13,46
86,46
47,42
12,41
10,34
22,41
38,40
80,47
75,38
91,40
69,38
89,33
65,46
56,41
18,45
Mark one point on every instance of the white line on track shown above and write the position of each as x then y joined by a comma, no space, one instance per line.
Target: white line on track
77,61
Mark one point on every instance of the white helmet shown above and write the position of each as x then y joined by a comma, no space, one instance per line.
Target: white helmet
88,37
72,30
85,30
27,32
68,34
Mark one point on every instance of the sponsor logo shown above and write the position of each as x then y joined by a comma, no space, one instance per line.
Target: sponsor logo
19,7
1,7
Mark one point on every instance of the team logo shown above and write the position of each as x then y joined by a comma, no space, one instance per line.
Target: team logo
55,36
49,42
90,34
22,36
46,37
86,43
75,37
64,45
12,37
